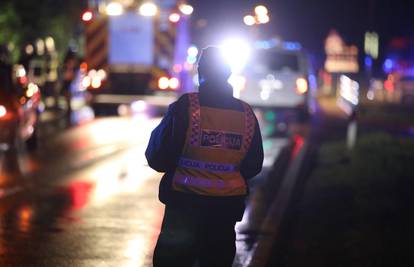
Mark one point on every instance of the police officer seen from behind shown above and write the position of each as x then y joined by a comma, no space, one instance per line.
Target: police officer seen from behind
208,144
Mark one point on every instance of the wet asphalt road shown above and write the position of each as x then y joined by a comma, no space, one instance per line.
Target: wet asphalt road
86,197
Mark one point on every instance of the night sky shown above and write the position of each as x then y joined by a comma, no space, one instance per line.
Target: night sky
309,21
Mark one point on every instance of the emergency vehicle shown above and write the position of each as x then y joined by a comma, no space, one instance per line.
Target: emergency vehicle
276,80
136,48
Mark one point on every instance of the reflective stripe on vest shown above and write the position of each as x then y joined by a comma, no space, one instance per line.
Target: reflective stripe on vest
195,119
208,166
207,183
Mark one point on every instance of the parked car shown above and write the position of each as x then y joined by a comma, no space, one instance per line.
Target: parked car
19,103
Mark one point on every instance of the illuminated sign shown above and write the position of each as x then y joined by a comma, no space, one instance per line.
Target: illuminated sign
371,44
340,58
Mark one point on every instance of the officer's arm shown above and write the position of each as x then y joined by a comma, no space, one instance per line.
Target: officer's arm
158,150
253,162
167,139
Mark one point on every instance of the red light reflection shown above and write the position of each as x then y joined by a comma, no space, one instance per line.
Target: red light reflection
79,193
298,143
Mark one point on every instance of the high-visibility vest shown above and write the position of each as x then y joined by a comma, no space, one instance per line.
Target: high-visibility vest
217,141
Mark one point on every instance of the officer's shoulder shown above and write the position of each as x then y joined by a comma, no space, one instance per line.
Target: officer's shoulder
180,103
244,104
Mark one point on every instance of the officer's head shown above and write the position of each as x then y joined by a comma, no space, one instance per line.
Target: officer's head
212,66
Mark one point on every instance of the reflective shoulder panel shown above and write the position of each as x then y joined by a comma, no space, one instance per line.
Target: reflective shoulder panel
194,119
249,126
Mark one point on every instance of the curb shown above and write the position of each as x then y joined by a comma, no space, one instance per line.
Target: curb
278,213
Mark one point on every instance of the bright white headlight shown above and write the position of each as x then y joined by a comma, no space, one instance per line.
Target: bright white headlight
236,52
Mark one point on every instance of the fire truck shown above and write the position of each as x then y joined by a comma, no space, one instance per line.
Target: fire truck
137,48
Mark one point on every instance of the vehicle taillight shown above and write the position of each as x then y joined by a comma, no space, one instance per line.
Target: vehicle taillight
87,16
301,86
86,81
174,83
163,83
3,111
96,82
389,85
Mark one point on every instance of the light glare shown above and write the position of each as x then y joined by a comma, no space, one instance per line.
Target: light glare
249,20
148,9
114,9
86,81
192,51
263,19
261,10
236,52
186,9
3,111
174,83
174,17
163,83
301,86
96,82
139,106
87,16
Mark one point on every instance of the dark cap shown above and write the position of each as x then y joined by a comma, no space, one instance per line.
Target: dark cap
212,65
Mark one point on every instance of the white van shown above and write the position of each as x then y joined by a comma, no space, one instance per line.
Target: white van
276,82
276,78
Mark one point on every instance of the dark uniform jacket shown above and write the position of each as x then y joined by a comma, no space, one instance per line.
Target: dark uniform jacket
167,140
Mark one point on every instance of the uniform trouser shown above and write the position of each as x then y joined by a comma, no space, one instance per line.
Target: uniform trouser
190,235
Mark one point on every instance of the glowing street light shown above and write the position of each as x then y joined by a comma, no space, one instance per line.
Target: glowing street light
249,20
114,9
261,10
263,19
186,9
148,9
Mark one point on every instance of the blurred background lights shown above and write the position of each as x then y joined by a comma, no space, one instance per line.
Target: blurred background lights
263,19
192,51
87,16
96,82
261,10
174,83
249,20
114,9
163,83
3,111
174,17
139,106
50,43
29,49
148,9
186,9
40,47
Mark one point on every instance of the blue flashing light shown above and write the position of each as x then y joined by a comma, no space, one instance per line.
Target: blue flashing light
388,65
267,44
292,46
368,61
313,83
262,45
